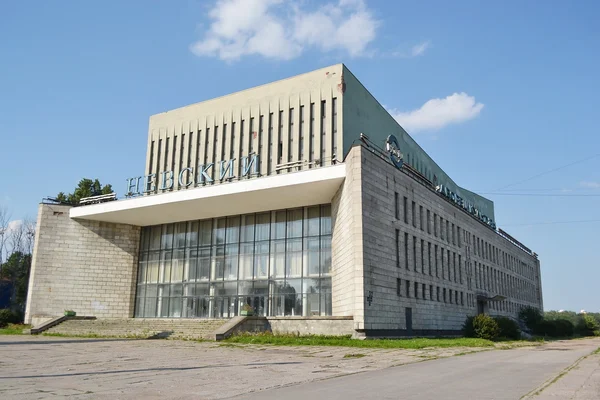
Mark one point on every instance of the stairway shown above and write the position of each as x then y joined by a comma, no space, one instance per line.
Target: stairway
192,329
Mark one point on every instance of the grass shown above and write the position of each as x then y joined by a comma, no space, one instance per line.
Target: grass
354,355
14,329
346,341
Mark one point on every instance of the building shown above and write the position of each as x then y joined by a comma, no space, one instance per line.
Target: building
302,198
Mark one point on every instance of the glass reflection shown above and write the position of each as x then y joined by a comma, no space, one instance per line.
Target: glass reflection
277,262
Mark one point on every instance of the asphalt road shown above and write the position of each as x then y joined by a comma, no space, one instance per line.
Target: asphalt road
500,374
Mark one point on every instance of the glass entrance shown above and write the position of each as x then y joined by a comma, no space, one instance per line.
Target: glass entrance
278,262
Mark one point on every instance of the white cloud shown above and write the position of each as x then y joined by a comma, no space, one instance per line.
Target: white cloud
419,49
406,51
282,29
14,225
437,113
590,185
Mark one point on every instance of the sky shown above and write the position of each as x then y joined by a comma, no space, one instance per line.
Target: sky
502,95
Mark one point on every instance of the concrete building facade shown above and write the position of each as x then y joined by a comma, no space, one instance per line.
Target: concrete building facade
300,198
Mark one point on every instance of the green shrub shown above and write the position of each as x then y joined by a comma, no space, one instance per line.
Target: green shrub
509,329
485,327
545,328
468,330
531,316
587,325
555,328
7,317
564,328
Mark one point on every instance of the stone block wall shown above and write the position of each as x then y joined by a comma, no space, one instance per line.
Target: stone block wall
391,263
87,266
301,326
331,326
347,245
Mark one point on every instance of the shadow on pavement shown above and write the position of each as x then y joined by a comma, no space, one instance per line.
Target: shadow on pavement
145,370
67,341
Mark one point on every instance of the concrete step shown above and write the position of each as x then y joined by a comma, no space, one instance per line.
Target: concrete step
141,328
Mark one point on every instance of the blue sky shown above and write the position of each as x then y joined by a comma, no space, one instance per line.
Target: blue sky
78,81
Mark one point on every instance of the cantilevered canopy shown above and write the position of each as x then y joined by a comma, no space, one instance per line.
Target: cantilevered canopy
484,297
303,188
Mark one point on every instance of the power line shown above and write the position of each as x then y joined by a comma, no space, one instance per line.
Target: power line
555,222
548,172
540,194
541,190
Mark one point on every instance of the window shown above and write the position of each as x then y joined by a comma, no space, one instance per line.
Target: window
270,146
280,138
251,136
421,223
232,154
166,155
407,288
435,256
442,253
423,291
291,134
454,265
414,214
405,208
158,157
189,152
396,205
311,151
211,268
301,141
445,301
441,228
174,154
223,141
438,293
416,290
450,295
261,127
397,248
406,250
181,150
429,222
415,253
323,131
431,292
448,264
398,286
422,256
242,140
429,258
435,225
151,162
334,126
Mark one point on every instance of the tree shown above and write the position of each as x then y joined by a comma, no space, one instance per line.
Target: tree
85,188
16,269
16,246
4,232
531,316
